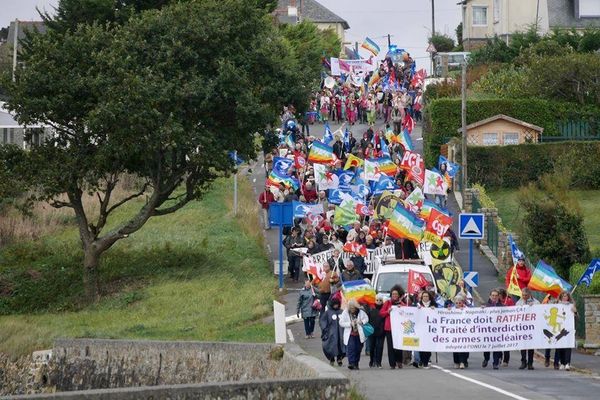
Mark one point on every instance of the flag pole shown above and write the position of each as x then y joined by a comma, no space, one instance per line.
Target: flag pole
574,287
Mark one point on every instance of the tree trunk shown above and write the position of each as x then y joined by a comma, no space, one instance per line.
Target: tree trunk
91,263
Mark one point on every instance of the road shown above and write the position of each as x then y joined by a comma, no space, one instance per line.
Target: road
442,381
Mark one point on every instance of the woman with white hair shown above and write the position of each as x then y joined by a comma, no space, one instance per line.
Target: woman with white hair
352,320
461,359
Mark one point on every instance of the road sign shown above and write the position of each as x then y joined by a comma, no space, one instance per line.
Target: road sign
471,278
281,214
470,226
431,48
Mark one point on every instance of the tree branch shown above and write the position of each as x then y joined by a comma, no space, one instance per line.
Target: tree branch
60,204
126,199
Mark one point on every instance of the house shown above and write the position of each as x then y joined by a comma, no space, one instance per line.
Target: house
502,130
484,19
22,27
13,133
294,11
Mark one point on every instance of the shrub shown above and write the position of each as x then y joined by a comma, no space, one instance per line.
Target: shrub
514,166
445,117
553,223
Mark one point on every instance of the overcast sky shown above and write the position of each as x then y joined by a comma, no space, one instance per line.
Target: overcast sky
408,21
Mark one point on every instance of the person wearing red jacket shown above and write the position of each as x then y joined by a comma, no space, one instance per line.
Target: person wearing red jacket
264,199
523,274
396,295
309,192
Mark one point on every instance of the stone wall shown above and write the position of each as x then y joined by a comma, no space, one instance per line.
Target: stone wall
592,321
127,369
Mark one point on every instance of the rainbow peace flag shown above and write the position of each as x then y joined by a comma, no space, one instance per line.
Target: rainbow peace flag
320,153
386,165
405,140
545,279
370,46
405,224
429,205
276,178
374,79
359,290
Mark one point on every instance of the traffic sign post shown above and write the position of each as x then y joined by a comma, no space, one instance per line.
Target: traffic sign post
471,226
281,214
471,278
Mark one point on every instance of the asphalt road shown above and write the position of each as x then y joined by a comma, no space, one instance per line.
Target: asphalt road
442,381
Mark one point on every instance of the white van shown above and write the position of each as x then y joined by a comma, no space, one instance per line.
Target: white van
392,272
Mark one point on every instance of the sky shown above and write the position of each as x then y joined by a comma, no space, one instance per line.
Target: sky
408,21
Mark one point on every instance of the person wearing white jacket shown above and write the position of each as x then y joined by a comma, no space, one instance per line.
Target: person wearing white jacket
352,320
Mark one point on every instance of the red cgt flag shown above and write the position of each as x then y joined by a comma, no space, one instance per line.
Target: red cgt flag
416,281
363,210
356,248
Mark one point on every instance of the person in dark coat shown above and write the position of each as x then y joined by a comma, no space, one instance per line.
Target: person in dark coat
332,334
493,301
305,301
378,337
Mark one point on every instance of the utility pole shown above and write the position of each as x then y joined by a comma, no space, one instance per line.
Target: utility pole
432,31
356,49
235,185
464,126
15,43
389,41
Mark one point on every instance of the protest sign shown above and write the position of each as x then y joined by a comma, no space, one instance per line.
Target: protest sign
542,326
322,257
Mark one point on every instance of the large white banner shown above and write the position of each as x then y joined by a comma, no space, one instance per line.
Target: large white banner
542,326
388,251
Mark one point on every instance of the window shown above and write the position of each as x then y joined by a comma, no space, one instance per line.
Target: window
496,11
479,16
511,138
490,139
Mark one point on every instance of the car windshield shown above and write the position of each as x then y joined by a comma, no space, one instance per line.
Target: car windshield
386,280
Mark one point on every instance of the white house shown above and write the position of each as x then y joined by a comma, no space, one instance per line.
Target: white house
13,133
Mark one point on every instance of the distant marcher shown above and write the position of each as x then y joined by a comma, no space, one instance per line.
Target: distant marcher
396,294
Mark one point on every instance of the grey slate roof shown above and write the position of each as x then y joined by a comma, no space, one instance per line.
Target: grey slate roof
561,14
23,27
312,10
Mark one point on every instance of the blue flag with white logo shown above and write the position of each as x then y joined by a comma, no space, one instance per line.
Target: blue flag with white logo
589,272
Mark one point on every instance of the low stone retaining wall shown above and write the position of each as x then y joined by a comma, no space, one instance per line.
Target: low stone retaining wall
123,369
592,321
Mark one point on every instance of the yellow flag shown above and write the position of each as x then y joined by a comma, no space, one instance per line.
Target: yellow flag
353,161
513,285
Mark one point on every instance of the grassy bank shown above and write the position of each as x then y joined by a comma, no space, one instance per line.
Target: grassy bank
589,200
198,274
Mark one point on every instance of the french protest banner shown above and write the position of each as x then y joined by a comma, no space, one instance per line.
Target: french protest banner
388,251
542,326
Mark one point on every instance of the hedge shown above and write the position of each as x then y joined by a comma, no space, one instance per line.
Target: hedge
513,166
444,117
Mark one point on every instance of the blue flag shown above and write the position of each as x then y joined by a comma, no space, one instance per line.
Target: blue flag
384,148
328,138
345,178
301,210
236,159
385,183
452,168
589,272
282,165
516,253
347,139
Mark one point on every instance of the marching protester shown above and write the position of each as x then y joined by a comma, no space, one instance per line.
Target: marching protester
526,355
396,295
377,339
461,359
564,354
427,302
353,319
305,307
332,333
522,272
493,301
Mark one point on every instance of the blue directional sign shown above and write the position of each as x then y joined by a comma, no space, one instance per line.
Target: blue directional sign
471,278
470,226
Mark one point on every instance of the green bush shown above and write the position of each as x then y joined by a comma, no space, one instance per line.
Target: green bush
506,167
575,273
444,117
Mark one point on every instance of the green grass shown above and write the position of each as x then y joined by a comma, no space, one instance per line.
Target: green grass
197,274
589,200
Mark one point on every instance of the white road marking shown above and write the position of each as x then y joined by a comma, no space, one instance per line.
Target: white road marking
485,385
419,138
290,335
